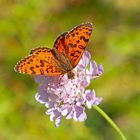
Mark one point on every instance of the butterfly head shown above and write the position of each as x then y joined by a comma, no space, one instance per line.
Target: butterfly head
70,75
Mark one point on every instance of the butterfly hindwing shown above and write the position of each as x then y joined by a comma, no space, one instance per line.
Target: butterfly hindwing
60,43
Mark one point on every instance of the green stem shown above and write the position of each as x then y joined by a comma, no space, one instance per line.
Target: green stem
108,119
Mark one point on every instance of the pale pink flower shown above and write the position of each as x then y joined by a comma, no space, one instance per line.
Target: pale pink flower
68,97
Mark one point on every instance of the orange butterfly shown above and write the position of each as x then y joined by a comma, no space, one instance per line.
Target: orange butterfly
62,58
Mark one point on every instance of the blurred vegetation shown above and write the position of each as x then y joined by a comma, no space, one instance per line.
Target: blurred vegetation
115,42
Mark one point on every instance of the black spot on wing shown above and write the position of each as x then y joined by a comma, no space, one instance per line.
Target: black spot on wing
83,38
32,70
81,47
41,71
75,54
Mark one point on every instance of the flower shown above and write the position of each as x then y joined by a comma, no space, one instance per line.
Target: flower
68,97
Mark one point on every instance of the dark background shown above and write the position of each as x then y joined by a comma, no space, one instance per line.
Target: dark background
115,42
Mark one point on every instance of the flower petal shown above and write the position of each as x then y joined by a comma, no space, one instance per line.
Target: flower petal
79,114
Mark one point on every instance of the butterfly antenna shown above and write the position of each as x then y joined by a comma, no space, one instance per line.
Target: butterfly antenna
85,74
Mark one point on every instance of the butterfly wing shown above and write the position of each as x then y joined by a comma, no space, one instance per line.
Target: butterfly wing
76,41
60,43
39,62
40,51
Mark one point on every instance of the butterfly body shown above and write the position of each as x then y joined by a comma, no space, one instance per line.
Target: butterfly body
62,58
63,62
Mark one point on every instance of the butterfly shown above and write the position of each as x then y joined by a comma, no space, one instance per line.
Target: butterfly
62,58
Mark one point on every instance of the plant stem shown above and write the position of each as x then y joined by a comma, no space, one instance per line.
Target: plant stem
109,120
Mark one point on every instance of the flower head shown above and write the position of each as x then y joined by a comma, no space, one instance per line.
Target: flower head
69,97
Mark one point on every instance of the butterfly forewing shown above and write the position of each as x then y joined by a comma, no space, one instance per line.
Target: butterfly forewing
76,41
40,62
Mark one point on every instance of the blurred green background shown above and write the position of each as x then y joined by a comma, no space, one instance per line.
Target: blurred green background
115,42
